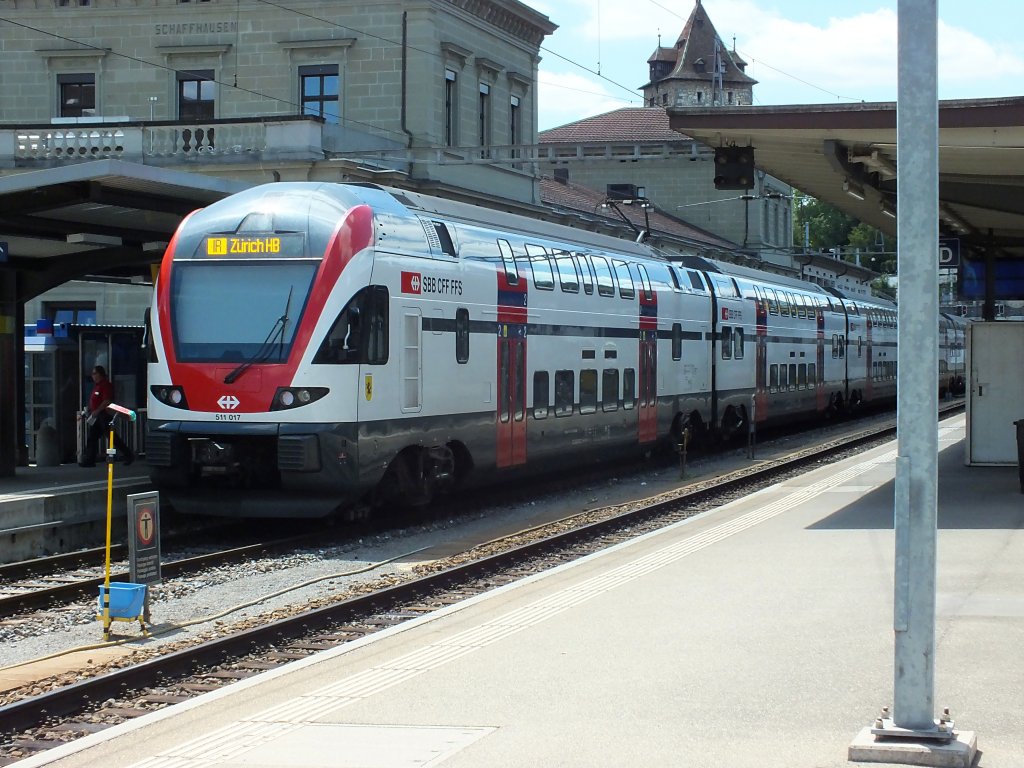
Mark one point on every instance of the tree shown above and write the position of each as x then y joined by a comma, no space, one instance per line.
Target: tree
826,228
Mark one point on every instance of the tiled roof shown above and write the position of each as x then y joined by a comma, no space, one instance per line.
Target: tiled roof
626,124
587,202
697,41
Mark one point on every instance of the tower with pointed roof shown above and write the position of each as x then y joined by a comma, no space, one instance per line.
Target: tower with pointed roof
699,71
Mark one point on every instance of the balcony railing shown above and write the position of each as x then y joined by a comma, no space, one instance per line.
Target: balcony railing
259,139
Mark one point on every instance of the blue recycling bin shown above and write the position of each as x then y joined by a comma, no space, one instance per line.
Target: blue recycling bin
126,600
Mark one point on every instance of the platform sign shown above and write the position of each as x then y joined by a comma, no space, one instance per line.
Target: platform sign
949,252
144,537
3,251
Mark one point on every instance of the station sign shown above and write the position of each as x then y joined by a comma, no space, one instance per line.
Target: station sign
144,537
949,252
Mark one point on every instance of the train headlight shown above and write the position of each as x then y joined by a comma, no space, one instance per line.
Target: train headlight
168,395
293,397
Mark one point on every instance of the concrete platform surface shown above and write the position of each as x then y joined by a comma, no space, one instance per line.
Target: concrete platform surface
756,635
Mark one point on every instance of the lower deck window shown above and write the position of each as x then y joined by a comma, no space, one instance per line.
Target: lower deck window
565,386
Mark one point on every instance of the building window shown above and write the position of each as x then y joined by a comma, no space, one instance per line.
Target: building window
484,118
77,95
319,89
515,129
196,94
451,108
74,312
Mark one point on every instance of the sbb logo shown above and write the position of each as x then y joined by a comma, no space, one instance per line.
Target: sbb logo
411,282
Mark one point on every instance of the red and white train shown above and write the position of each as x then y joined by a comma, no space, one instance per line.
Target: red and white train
316,345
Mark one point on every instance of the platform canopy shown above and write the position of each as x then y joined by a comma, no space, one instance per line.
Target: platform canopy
104,217
845,154
98,217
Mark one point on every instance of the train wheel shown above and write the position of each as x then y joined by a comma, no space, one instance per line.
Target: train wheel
417,475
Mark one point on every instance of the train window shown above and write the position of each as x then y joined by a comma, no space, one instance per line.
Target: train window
783,378
543,277
461,335
628,388
605,283
360,332
519,385
610,389
622,273
860,346
726,342
723,286
677,341
773,301
801,375
504,379
759,300
645,283
583,264
792,375
737,343
565,389
568,277
695,280
791,299
541,395
588,390
835,345
773,377
801,305
842,345
674,278
508,259
812,374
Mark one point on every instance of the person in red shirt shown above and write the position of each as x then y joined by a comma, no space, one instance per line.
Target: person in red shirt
98,418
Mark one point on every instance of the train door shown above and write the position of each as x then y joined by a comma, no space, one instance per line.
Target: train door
869,375
761,357
820,395
648,384
511,395
510,417
411,362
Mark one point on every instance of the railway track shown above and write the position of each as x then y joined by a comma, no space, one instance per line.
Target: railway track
70,711
60,579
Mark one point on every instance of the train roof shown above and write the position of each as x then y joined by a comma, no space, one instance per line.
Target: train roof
468,213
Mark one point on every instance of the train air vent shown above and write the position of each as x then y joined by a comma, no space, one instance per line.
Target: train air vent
439,237
298,453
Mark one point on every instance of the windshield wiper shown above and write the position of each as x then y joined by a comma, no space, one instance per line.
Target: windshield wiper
277,330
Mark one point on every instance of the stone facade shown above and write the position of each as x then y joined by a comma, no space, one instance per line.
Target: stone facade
404,77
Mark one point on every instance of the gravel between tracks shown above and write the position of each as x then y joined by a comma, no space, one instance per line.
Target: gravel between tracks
177,602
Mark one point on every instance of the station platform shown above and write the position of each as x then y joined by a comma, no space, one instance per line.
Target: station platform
48,509
758,634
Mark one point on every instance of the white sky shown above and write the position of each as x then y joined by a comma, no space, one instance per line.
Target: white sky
799,51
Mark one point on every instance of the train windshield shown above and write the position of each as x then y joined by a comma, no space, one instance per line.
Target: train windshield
238,313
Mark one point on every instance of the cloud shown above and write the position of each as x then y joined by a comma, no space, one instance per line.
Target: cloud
827,59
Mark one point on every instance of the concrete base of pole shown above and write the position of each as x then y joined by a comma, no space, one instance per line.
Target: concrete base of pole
957,753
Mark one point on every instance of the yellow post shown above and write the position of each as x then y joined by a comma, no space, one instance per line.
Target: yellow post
110,503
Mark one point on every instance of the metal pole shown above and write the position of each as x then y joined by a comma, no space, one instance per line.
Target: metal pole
917,141
106,560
